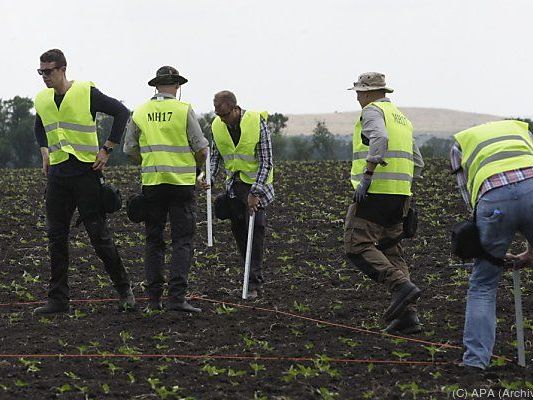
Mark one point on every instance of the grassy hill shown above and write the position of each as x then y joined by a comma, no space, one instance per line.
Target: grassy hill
437,122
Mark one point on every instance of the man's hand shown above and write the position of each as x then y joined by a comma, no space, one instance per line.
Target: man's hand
101,160
46,159
361,189
253,202
522,260
46,164
202,182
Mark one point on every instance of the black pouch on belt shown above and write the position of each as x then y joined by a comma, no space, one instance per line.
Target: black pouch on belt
466,243
223,208
111,198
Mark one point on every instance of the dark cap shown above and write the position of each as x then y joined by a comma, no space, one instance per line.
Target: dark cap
167,75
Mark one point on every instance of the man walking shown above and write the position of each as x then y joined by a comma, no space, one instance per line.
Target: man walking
65,129
384,157
493,164
242,143
164,136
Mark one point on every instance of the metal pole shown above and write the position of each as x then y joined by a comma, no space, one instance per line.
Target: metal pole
519,318
248,255
209,205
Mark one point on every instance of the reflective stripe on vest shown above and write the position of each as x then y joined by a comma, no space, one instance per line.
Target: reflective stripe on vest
241,158
493,148
164,146
168,168
70,129
76,147
389,176
396,177
389,154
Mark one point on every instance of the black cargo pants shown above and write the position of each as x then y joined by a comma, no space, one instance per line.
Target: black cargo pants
177,203
63,196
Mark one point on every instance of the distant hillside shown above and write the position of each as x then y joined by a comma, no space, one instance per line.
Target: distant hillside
437,122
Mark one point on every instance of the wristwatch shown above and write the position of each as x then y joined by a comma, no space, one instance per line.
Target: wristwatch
108,150
368,172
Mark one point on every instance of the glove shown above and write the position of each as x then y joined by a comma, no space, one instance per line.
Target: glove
361,189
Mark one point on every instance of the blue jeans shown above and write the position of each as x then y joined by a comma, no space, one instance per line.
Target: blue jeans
500,213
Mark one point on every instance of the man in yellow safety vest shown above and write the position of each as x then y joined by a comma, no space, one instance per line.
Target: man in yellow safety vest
164,136
65,129
383,166
242,143
493,164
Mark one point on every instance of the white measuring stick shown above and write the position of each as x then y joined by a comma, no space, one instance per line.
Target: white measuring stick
519,322
248,256
209,211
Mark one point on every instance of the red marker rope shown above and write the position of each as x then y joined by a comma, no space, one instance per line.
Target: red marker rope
230,357
272,311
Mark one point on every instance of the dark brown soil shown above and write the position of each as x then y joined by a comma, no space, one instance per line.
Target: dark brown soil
306,275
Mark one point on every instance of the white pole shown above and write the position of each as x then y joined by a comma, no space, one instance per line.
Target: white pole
209,211
248,256
519,323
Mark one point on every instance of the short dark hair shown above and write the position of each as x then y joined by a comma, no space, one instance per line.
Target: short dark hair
54,55
227,97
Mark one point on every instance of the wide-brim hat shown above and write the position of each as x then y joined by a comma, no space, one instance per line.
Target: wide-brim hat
167,75
371,81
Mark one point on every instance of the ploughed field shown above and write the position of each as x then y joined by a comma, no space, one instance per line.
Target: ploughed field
236,349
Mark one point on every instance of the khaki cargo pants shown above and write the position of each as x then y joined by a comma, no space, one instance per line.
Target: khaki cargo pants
360,240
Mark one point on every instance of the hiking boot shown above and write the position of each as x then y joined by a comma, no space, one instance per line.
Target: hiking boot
52,307
181,306
154,305
407,324
126,301
403,295
474,369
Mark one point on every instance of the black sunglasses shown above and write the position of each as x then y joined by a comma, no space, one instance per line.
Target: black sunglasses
225,114
46,71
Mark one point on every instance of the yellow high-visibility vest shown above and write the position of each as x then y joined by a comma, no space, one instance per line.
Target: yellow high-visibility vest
242,157
165,151
396,177
492,148
70,129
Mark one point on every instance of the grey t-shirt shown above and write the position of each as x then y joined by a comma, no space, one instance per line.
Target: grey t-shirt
196,137
373,128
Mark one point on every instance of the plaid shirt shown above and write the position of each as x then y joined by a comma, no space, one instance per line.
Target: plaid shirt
263,153
494,181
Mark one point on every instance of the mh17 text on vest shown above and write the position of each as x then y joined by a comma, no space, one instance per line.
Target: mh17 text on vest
161,116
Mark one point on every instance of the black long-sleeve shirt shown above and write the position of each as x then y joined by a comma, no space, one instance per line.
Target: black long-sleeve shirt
99,103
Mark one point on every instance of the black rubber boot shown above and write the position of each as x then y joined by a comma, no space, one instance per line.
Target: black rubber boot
154,305
407,324
403,295
181,306
127,301
52,308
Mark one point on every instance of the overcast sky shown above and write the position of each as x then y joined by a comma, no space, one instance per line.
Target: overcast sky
291,56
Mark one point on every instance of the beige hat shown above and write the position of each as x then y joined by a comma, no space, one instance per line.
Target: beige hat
371,81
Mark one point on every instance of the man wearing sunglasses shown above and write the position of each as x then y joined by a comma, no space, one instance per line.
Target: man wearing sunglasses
242,143
65,129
